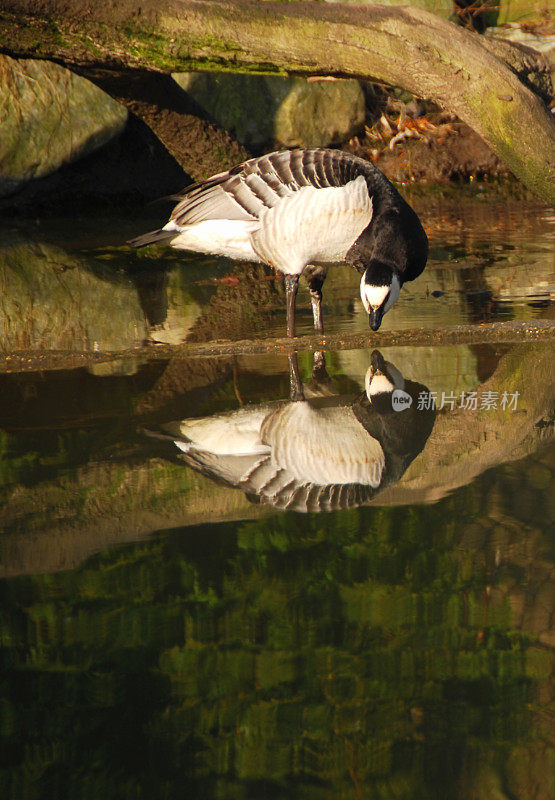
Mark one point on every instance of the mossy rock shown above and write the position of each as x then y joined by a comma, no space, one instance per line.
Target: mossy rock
78,309
262,110
49,117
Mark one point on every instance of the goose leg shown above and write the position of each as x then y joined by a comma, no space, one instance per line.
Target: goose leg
295,384
315,279
316,298
320,383
319,371
291,286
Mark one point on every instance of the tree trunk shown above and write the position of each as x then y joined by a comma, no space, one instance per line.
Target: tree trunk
404,47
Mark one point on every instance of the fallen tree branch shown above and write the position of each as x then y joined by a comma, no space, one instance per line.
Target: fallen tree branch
404,47
507,332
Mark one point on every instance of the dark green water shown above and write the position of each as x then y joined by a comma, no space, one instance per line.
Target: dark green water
168,635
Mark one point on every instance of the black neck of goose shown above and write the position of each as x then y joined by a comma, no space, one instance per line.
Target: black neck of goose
366,251
395,238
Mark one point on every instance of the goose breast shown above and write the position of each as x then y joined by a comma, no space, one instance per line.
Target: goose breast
313,225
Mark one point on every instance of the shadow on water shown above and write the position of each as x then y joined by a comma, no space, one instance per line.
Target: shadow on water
172,625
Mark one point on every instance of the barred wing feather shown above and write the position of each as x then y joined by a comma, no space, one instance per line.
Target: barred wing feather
323,445
244,192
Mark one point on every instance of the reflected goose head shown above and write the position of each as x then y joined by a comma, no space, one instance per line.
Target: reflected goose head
382,378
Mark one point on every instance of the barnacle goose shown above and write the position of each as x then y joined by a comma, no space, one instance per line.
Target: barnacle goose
301,211
322,453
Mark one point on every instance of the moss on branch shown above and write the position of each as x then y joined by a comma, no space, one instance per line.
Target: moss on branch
403,47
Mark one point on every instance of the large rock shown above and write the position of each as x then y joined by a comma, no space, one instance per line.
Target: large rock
55,299
49,117
260,110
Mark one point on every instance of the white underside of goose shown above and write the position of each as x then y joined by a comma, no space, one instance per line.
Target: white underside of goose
220,237
296,441
236,433
308,226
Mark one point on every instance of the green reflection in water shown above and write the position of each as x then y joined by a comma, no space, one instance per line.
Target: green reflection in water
378,652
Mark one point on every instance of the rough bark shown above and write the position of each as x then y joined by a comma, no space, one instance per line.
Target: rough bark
404,47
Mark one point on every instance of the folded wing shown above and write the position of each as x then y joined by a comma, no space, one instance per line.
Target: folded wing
245,191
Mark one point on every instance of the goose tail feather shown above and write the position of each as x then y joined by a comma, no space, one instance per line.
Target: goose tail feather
153,237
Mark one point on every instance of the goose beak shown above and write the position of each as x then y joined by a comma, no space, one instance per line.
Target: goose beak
377,367
377,381
377,362
376,315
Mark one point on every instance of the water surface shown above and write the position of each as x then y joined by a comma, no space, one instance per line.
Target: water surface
175,625
72,284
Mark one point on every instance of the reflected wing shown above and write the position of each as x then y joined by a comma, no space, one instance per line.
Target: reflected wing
323,446
291,455
260,479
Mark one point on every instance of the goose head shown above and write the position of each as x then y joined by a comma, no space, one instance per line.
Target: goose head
379,289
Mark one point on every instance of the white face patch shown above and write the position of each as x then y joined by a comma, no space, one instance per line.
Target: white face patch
373,296
380,382
377,384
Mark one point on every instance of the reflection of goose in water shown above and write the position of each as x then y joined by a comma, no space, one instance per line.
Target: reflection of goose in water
317,454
